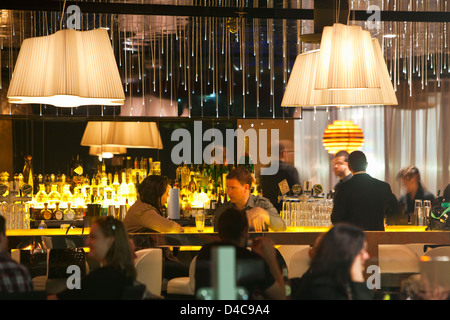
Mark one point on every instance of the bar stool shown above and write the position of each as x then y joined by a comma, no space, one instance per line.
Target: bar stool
397,262
183,285
288,251
148,264
299,263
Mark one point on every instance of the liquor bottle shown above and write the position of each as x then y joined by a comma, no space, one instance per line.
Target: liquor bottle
78,197
143,169
45,213
66,195
108,193
116,188
123,189
129,167
69,214
54,195
57,213
197,177
28,171
41,195
185,175
77,170
178,175
205,178
192,185
4,183
157,168
86,189
150,166
225,172
40,180
62,183
131,192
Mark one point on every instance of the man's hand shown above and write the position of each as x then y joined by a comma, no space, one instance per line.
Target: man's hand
257,218
265,248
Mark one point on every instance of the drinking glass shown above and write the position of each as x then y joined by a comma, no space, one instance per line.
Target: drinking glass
427,207
200,221
418,212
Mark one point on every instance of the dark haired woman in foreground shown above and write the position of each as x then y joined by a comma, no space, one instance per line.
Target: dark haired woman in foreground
337,265
110,246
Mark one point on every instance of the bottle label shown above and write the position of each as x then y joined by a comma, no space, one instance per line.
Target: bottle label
47,215
58,215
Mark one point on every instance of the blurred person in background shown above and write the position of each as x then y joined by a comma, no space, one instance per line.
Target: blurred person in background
413,188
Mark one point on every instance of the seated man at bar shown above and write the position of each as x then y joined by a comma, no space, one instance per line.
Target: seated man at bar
259,210
363,200
257,270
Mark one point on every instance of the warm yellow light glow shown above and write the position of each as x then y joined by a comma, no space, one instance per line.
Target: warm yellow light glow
342,135
67,69
106,152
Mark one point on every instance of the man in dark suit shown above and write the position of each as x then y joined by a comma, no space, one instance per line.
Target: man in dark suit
286,171
363,200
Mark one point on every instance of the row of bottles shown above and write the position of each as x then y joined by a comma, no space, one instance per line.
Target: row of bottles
101,189
57,213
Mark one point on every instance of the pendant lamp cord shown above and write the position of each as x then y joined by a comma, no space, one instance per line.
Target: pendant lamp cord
62,15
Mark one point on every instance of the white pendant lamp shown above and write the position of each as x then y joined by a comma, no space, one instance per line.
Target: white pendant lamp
67,69
300,91
346,59
125,134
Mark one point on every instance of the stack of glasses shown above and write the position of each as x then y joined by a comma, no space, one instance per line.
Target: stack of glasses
314,213
16,214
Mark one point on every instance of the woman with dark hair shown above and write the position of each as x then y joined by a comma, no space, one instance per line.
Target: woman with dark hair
110,246
336,269
414,190
146,214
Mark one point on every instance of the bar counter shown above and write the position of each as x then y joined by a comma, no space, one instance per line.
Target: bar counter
193,239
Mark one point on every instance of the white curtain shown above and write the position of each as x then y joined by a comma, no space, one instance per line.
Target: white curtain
311,159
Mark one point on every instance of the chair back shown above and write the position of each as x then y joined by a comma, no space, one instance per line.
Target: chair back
192,274
435,267
148,264
288,250
397,258
299,263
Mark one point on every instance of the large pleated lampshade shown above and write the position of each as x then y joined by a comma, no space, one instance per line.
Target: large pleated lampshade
300,91
67,69
346,59
122,134
342,135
